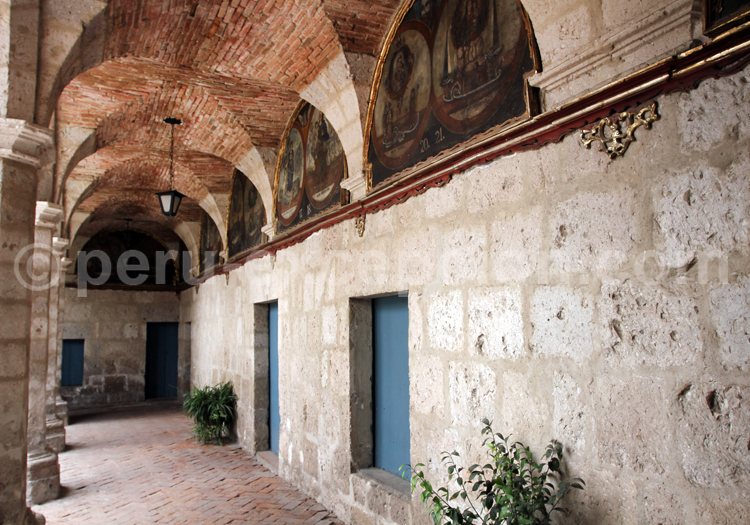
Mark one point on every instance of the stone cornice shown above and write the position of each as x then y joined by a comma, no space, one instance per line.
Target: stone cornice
26,143
48,215
59,244
268,230
667,29
357,186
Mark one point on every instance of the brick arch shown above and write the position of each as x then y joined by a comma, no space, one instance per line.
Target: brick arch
234,72
105,218
140,171
241,114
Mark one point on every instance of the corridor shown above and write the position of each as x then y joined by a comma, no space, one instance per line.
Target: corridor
142,466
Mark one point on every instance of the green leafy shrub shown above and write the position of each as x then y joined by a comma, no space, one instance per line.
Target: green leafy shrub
512,489
213,409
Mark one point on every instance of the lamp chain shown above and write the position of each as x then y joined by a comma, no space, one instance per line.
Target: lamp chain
171,161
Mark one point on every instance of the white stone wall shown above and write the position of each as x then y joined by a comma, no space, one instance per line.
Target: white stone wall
113,325
603,303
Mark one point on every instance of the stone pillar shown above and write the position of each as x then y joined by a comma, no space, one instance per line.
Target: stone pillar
23,148
57,408
43,474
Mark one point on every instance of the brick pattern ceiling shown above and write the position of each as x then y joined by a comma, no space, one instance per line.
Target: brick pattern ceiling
232,70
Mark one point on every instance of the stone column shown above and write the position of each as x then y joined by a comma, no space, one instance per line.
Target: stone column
43,474
24,148
57,408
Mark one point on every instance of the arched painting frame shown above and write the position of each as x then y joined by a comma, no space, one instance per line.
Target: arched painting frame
245,217
451,70
210,243
309,169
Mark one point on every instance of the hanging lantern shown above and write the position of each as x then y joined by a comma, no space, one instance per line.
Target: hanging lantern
170,200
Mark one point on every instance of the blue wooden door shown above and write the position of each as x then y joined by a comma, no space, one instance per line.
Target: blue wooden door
390,349
161,360
72,362
273,376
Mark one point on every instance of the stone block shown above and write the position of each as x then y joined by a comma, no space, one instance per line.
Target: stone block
13,363
569,415
329,325
131,331
664,504
717,111
644,324
43,479
464,256
499,182
593,231
714,425
628,417
15,323
360,517
525,410
360,490
562,318
568,28
702,211
495,323
115,384
514,246
444,200
416,257
606,499
445,318
721,509
730,310
473,391
426,379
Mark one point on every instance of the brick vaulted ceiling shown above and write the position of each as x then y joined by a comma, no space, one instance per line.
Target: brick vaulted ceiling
232,70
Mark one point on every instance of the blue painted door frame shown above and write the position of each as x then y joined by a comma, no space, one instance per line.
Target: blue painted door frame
390,349
273,376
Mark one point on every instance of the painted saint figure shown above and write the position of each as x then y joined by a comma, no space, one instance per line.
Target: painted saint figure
403,120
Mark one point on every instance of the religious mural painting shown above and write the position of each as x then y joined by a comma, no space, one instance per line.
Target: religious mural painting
210,244
310,169
455,68
722,15
246,216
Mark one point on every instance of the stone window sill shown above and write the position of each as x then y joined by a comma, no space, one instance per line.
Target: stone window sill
387,482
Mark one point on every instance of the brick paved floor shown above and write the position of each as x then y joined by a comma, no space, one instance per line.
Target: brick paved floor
141,467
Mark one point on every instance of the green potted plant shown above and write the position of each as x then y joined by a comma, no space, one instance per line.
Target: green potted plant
213,410
512,489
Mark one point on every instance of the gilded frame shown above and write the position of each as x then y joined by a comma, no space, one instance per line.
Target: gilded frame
714,25
344,194
200,246
530,96
264,237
